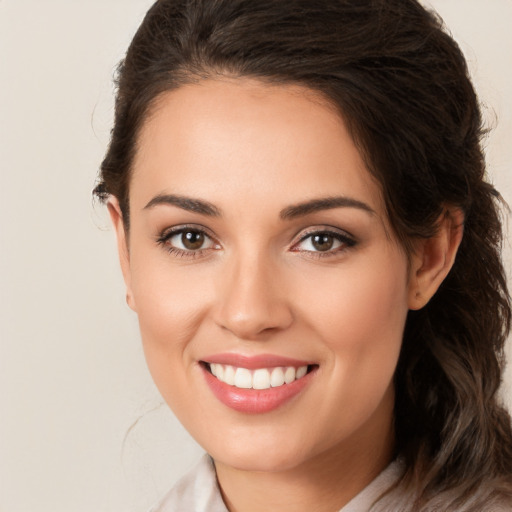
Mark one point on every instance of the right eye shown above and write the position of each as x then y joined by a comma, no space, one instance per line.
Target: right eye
186,242
324,242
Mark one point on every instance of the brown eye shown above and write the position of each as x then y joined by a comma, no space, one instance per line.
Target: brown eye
192,240
328,242
322,242
187,241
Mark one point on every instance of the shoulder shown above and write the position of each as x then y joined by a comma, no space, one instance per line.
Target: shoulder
197,490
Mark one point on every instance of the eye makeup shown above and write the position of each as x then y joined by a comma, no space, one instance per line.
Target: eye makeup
193,241
187,241
324,242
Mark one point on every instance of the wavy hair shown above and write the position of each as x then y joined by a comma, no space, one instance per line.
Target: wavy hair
401,84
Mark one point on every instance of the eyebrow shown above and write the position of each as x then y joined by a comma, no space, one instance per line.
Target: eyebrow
290,212
185,203
328,203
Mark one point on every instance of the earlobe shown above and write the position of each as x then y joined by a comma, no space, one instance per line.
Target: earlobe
434,258
116,217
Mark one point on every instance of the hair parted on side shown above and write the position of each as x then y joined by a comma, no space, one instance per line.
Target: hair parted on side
401,85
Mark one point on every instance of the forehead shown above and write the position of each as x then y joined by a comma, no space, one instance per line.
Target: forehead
278,143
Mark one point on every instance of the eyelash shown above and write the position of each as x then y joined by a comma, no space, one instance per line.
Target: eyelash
346,242
164,240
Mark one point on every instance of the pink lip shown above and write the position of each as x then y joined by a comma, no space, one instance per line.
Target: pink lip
255,362
255,401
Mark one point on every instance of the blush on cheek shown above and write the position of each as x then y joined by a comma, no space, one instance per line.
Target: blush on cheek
168,304
363,310
165,327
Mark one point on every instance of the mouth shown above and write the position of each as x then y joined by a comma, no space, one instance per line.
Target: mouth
259,378
256,384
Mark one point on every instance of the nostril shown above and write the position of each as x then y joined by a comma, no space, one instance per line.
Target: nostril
250,304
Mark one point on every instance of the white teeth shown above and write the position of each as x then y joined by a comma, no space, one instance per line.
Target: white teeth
262,378
289,374
243,378
277,377
301,372
229,375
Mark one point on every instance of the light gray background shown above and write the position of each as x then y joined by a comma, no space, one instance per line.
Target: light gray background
72,373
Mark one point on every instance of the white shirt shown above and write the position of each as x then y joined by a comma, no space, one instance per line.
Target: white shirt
198,491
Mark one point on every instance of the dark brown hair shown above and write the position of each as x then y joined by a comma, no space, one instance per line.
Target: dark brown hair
401,84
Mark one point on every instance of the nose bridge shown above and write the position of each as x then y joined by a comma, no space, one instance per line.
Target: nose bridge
252,300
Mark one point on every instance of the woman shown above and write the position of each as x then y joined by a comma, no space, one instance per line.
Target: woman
307,238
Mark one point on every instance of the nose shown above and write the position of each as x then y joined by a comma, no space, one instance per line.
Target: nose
251,299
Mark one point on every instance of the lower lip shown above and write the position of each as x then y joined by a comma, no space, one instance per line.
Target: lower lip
255,401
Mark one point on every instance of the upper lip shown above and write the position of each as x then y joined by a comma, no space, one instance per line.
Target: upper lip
255,361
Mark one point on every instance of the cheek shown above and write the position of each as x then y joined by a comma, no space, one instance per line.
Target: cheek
359,317
170,304
360,311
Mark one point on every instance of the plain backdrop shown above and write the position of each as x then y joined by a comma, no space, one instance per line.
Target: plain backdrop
82,428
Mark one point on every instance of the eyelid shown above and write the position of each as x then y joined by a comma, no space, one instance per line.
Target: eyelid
173,230
165,235
347,239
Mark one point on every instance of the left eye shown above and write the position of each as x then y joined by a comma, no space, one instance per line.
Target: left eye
324,241
189,240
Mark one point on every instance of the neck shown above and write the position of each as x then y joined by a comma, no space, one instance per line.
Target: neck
325,482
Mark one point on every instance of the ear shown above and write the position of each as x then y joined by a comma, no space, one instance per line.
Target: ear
116,217
434,257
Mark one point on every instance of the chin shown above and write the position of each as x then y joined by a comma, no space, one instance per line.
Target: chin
260,457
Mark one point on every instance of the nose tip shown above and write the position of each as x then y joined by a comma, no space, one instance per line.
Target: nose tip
253,304
252,324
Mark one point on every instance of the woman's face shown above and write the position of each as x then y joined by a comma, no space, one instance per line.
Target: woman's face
259,250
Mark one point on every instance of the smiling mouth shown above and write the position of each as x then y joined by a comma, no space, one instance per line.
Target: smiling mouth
260,378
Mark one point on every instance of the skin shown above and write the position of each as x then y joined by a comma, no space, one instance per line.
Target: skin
258,285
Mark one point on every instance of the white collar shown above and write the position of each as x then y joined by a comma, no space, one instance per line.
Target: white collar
198,491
